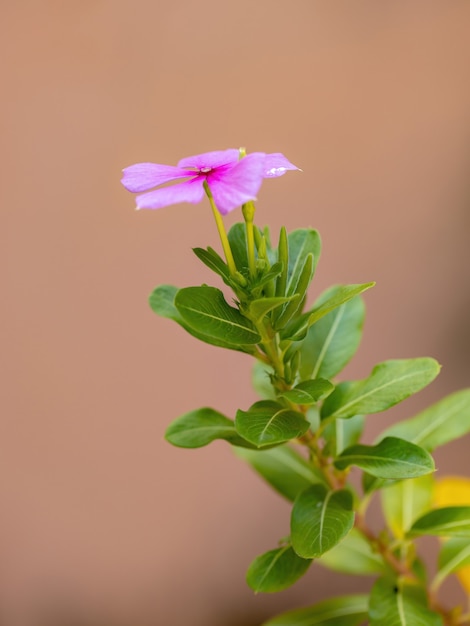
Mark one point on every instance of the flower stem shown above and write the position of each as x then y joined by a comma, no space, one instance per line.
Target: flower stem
222,234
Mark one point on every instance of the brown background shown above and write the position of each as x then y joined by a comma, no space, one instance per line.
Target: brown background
99,516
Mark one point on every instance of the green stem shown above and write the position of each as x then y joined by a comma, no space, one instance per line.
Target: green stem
222,234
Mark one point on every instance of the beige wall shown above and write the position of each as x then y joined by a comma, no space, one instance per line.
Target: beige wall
371,100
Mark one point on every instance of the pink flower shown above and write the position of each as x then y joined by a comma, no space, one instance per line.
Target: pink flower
231,180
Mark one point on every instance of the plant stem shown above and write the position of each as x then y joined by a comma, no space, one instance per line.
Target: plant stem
248,211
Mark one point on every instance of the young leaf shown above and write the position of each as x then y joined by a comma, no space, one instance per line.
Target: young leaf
405,501
283,468
297,329
391,458
320,519
299,289
334,339
259,308
205,310
394,603
276,570
200,427
308,391
354,555
389,383
452,521
214,262
237,239
444,421
268,423
301,243
340,611
162,303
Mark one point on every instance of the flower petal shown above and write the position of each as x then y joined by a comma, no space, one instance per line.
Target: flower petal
188,191
232,187
276,164
211,159
143,176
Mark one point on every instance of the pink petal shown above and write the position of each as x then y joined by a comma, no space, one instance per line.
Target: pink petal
232,187
142,176
211,159
188,191
276,164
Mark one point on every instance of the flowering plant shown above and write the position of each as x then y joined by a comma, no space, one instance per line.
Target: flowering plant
304,435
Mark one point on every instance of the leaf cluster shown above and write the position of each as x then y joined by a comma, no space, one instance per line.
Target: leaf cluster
303,437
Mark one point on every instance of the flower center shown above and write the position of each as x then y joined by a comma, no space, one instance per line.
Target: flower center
205,170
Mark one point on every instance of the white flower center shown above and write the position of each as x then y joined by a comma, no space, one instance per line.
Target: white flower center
205,170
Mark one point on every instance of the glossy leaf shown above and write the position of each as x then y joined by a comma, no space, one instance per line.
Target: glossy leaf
320,519
340,611
205,310
334,339
405,501
237,239
200,427
276,570
391,458
446,521
354,555
389,383
394,603
444,421
283,468
267,423
299,289
309,391
162,303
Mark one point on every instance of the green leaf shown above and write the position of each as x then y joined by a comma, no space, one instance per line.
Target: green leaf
309,391
405,501
162,303
283,468
333,340
452,521
276,570
267,423
299,288
205,310
389,383
237,239
454,554
391,458
320,519
259,308
444,421
301,243
340,611
297,329
214,262
200,427
394,603
354,555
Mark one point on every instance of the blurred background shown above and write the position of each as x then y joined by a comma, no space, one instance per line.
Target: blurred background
101,521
